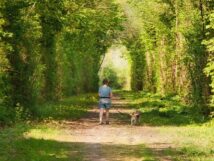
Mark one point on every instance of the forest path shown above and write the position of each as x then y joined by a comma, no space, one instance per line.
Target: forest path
115,142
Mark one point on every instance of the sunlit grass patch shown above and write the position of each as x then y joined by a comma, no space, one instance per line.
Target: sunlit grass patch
47,132
192,142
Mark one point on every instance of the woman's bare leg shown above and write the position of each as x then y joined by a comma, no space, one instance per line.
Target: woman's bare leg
107,115
101,115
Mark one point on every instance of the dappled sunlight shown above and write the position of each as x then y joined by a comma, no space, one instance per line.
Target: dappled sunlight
43,133
93,145
106,80
85,140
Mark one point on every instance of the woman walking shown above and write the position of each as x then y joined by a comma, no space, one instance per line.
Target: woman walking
105,95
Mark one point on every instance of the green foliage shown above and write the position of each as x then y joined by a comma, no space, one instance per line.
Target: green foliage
138,65
22,53
84,41
52,49
165,41
209,70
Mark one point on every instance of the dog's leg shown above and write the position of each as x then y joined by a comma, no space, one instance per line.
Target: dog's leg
138,120
132,121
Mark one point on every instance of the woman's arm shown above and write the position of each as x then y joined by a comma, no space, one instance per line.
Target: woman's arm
111,95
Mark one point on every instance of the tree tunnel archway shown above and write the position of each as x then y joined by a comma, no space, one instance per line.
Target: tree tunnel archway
116,67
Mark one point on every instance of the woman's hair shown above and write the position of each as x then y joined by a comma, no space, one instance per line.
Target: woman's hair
105,81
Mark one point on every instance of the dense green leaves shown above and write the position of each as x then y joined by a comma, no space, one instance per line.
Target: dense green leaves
50,49
167,52
209,70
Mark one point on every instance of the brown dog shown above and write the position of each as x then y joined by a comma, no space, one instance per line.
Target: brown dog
135,117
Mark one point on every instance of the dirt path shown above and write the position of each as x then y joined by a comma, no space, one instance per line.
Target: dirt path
118,141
